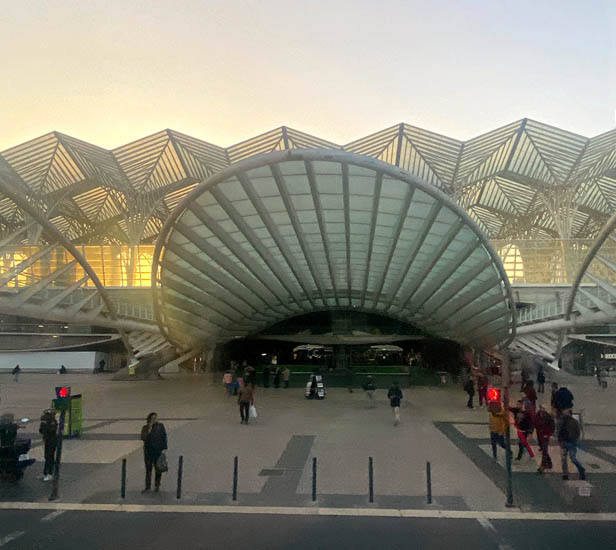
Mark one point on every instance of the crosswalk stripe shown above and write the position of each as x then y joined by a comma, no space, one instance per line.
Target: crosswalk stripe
11,537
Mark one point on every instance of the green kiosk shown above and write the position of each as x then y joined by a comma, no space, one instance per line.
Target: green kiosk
73,405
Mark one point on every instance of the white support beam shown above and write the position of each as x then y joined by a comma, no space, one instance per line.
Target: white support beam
299,234
416,247
318,208
376,197
278,285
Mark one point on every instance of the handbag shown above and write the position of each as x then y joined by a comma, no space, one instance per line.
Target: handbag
253,411
161,463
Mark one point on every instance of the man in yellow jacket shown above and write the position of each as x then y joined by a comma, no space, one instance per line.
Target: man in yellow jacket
499,419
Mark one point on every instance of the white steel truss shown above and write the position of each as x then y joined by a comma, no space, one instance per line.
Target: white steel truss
51,295
524,180
593,303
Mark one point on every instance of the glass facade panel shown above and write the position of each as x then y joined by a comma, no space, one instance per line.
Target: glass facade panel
115,265
525,261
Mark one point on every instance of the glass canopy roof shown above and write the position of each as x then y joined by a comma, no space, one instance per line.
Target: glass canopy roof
295,231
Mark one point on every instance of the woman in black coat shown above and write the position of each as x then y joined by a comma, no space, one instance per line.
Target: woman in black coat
49,430
154,439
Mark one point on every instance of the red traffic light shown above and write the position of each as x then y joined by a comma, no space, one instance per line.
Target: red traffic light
63,391
494,394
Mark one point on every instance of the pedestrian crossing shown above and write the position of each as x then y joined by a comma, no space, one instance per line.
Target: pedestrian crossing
527,464
480,434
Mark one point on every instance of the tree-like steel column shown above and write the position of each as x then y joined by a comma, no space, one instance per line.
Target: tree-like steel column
9,187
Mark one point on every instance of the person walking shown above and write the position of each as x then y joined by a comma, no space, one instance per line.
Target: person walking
350,376
227,380
499,419
531,394
395,395
544,426
15,372
266,376
482,387
369,387
250,376
49,430
525,378
245,399
600,374
568,437
469,388
277,374
312,393
553,391
154,437
563,400
62,370
286,374
524,426
541,381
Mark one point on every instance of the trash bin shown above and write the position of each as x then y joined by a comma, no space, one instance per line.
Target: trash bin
73,422
132,367
444,376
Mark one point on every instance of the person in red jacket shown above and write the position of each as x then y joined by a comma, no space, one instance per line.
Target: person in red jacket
524,426
545,426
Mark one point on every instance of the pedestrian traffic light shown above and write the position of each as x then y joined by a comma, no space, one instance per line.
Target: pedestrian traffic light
494,395
63,394
494,400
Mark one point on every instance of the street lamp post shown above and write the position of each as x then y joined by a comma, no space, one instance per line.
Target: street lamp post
506,380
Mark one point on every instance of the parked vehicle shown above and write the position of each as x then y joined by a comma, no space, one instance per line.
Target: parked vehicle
14,452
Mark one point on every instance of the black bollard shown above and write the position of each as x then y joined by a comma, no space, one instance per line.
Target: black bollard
370,480
235,478
314,479
429,482
180,472
123,489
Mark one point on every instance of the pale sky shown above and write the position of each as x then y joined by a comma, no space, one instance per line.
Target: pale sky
112,71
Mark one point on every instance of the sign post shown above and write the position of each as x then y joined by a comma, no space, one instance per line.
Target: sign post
62,402
506,379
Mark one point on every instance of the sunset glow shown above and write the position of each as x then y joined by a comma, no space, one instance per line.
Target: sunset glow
110,72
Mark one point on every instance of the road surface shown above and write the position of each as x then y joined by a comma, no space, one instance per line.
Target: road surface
98,530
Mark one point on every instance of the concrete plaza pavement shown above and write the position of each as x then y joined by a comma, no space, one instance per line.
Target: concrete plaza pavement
275,451
203,424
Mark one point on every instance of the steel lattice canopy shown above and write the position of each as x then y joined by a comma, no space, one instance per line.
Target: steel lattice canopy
290,232
524,180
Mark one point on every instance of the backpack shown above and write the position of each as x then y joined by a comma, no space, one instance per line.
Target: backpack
571,429
394,394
